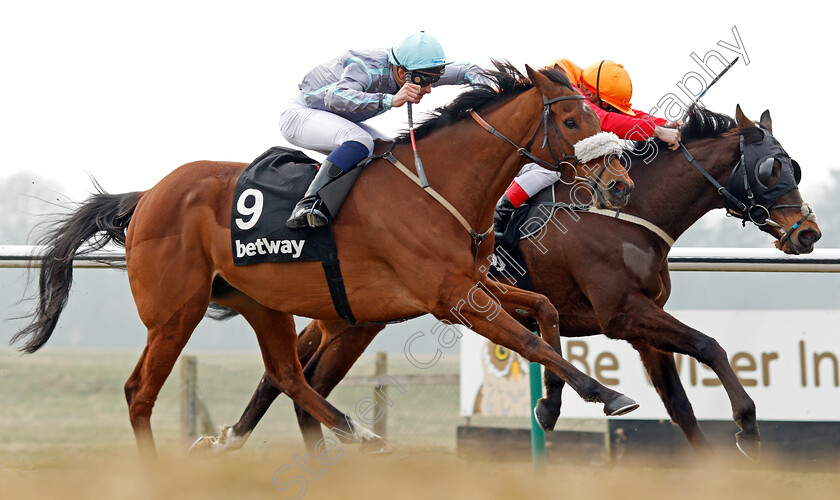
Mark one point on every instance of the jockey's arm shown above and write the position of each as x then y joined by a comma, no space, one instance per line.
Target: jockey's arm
349,95
463,73
637,128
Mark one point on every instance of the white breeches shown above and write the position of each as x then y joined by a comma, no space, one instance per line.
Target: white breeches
533,178
321,130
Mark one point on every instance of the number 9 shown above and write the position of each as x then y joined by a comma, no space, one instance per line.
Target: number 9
254,211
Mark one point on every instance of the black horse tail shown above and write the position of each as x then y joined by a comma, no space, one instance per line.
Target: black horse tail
102,218
216,311
219,312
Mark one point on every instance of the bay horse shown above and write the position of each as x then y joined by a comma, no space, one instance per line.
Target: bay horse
604,276
179,258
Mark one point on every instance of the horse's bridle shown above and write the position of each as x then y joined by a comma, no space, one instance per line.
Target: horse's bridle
738,208
567,158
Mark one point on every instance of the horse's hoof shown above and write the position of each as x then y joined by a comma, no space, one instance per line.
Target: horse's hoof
620,405
202,448
748,445
375,446
546,418
211,447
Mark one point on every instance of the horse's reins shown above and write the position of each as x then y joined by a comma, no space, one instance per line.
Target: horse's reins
723,192
571,159
745,213
477,237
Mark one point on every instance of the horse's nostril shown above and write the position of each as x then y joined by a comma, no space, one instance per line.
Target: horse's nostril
808,236
619,187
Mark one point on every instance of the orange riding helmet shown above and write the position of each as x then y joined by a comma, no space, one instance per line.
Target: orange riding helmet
611,83
571,69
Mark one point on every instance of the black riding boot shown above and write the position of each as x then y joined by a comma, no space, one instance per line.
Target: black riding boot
501,217
310,211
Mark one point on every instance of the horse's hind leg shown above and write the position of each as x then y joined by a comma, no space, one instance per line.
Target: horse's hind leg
277,338
327,355
665,378
340,348
164,344
647,323
234,436
265,394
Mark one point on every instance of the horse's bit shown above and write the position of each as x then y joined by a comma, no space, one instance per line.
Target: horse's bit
755,212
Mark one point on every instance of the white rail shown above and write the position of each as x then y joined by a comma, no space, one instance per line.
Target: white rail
17,256
825,260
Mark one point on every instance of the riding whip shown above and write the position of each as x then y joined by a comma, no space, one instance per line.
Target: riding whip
717,78
418,165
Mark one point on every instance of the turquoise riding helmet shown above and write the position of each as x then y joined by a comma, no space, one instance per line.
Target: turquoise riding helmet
417,51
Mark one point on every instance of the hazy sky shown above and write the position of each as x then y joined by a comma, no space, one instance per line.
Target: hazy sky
128,91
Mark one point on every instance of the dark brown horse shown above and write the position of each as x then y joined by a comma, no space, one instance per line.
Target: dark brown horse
178,248
604,276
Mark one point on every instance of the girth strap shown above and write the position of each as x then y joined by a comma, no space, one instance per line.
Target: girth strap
613,214
338,293
616,214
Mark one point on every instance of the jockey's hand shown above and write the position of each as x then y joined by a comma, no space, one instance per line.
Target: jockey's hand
669,135
409,92
674,124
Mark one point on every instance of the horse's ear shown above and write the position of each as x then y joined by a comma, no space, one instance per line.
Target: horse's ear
765,121
538,79
741,119
562,70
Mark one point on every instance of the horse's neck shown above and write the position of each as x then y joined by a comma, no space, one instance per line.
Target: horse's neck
470,167
672,194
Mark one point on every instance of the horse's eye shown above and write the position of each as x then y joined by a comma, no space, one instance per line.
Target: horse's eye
570,123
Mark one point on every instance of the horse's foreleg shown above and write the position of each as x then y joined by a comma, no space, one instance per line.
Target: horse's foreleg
519,303
645,322
499,327
666,379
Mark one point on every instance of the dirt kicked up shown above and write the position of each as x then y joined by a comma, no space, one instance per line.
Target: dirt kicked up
404,475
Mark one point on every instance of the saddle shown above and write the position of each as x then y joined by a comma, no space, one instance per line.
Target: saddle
265,195
530,218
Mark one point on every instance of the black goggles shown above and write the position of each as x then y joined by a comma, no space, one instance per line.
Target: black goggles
426,76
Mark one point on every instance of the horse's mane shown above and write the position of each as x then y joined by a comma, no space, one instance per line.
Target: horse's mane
505,77
699,123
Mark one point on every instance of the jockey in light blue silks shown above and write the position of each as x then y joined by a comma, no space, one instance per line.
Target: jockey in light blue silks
338,95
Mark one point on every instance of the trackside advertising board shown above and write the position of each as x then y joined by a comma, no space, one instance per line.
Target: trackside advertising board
788,362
